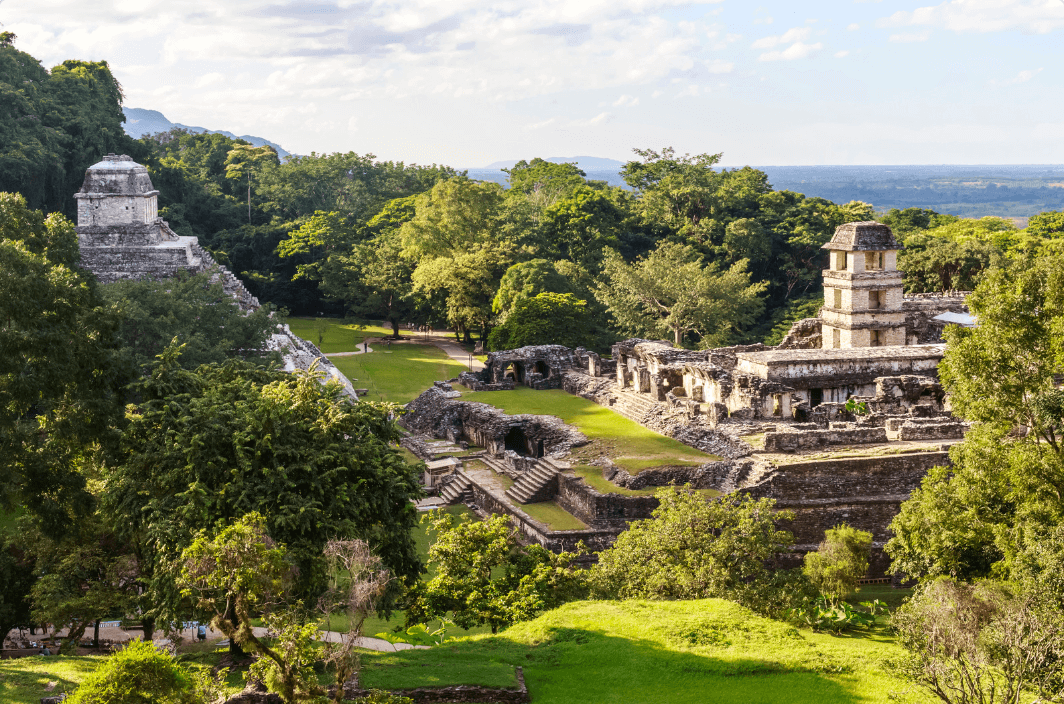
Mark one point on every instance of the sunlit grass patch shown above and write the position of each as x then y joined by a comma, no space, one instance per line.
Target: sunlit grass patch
398,373
553,515
614,433
338,337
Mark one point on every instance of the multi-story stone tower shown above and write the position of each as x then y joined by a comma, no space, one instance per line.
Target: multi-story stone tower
863,288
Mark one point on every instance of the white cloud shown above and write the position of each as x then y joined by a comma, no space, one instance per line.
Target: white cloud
1021,77
910,37
1033,16
798,50
626,101
541,125
796,34
719,66
841,54
209,79
352,124
853,27
691,91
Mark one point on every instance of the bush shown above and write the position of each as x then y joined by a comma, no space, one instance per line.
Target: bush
140,673
546,319
695,549
839,561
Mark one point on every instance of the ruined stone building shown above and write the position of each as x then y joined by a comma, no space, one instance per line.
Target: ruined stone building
121,236
776,418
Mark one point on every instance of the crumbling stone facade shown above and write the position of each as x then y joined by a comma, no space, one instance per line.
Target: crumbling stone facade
121,236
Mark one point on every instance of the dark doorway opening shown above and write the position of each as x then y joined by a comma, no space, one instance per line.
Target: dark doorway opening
517,441
816,397
542,369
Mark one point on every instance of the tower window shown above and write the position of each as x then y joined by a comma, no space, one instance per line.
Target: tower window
876,339
873,261
836,338
837,294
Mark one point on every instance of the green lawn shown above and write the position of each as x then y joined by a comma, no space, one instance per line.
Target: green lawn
398,373
338,336
550,513
680,652
623,440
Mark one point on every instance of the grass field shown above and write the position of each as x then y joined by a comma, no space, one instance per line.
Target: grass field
399,373
679,652
553,515
338,336
621,439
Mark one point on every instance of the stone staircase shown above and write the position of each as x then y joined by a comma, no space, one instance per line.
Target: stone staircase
746,474
634,406
538,483
458,491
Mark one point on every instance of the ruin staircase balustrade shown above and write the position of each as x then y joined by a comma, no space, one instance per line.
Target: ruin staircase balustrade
459,490
537,484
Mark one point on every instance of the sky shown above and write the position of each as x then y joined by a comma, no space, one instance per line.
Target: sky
469,82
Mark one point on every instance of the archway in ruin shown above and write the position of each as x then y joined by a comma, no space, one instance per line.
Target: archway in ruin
542,369
517,441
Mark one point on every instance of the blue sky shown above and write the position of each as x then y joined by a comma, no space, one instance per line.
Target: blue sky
466,82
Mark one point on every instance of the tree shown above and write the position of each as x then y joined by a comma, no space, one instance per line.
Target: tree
485,576
933,264
246,161
455,215
16,581
61,380
557,181
839,561
983,643
235,576
194,310
358,581
216,443
672,292
997,509
912,220
1047,225
461,286
693,548
580,226
547,319
526,280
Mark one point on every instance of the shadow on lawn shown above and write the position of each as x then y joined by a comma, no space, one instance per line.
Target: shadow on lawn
580,665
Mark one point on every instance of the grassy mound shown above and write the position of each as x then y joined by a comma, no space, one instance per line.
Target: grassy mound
338,336
628,444
636,651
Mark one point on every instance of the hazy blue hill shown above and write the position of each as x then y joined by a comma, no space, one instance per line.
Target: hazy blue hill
140,122
587,163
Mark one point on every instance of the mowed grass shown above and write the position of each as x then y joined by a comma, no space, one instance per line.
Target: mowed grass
398,373
681,652
339,337
624,440
553,515
23,680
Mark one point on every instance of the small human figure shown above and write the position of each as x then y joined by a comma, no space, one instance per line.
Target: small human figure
201,633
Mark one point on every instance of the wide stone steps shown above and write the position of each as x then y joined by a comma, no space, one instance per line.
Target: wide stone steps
534,485
633,406
458,491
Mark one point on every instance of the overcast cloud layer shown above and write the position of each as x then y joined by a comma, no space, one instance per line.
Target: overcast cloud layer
466,83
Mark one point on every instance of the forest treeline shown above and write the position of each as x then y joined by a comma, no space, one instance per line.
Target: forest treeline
689,252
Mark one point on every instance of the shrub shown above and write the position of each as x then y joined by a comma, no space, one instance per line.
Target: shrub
140,673
839,561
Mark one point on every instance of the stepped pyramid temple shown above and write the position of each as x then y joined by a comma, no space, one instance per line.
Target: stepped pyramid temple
772,421
121,236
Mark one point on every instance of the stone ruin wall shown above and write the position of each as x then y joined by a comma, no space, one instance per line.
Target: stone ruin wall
919,310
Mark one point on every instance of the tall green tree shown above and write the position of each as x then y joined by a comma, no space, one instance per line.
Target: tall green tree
526,280
207,446
194,310
999,507
545,319
672,292
246,163
61,379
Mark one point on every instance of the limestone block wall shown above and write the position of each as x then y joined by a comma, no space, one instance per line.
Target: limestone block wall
812,439
602,510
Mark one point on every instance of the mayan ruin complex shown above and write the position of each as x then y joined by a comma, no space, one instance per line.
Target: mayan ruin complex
121,236
839,423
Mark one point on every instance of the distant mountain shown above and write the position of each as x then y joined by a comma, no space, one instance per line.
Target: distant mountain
585,163
140,122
